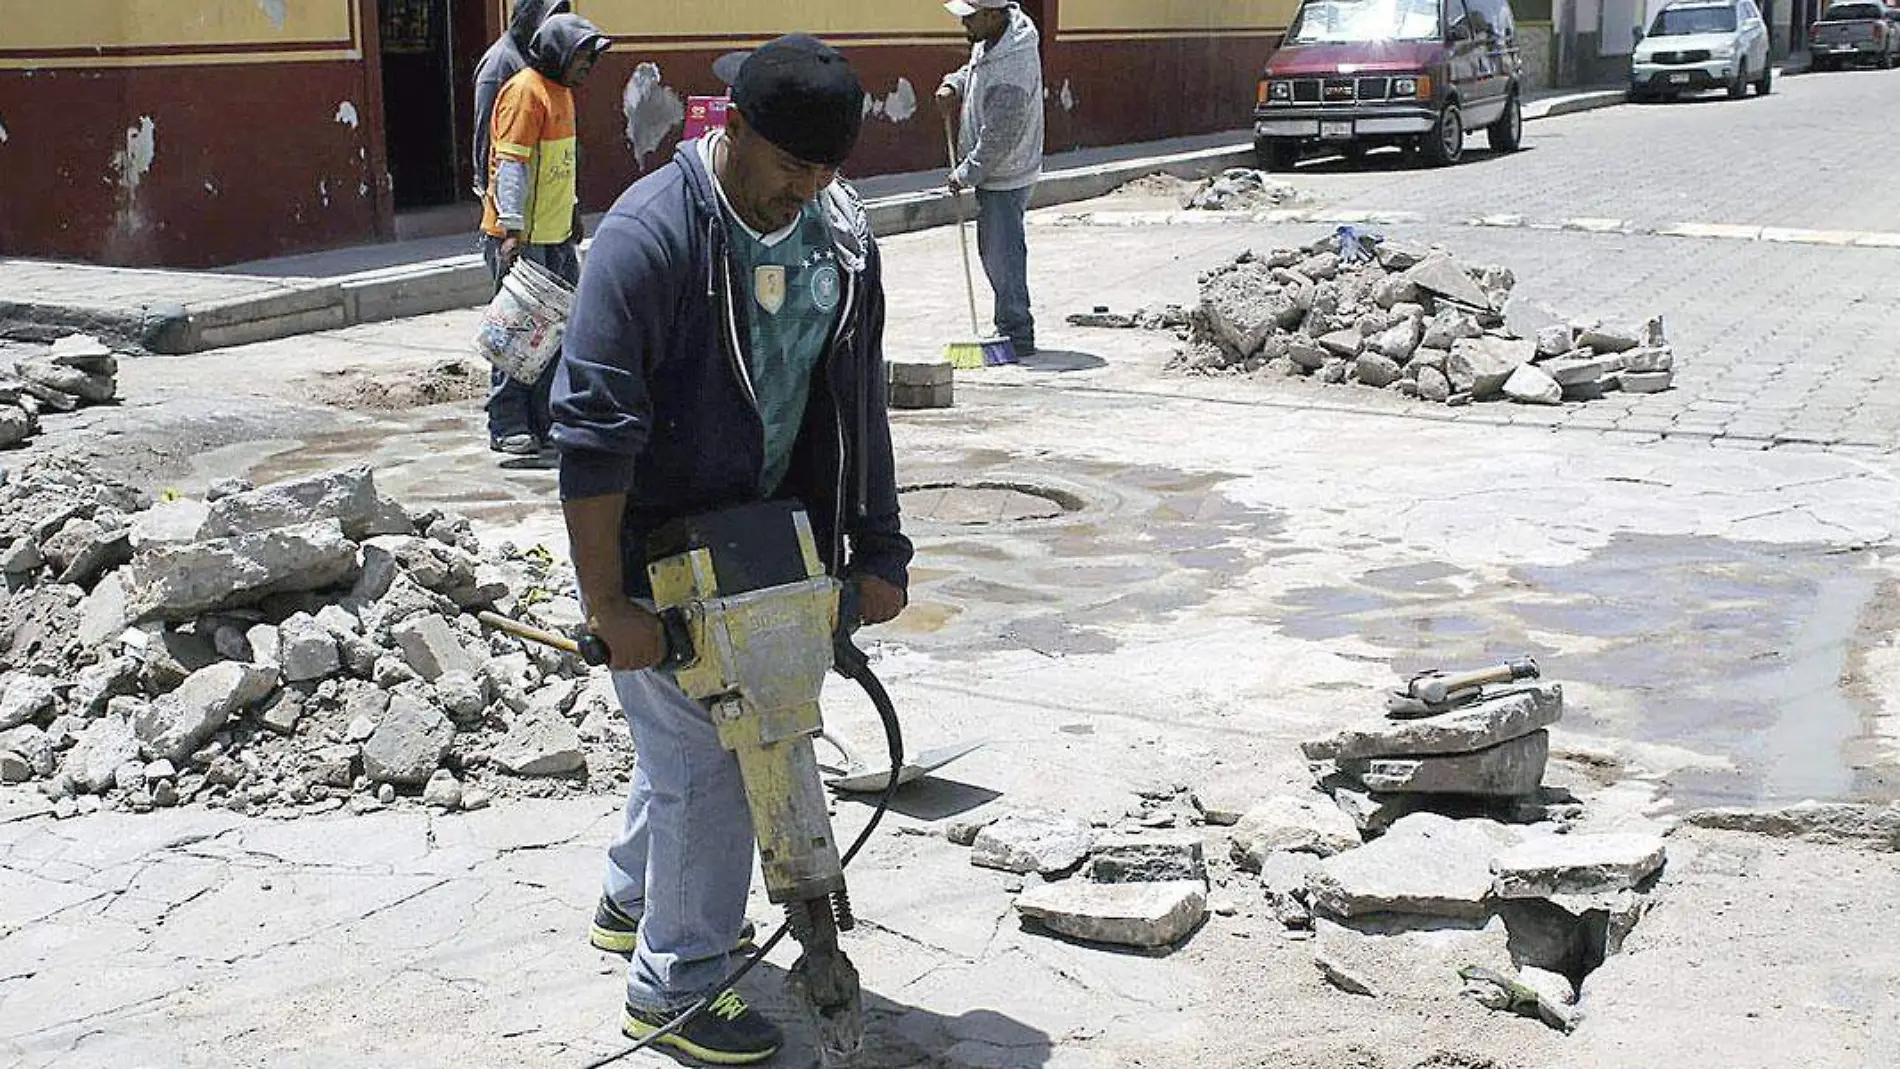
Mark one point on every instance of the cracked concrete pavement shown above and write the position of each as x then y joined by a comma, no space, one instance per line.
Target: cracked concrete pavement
1251,562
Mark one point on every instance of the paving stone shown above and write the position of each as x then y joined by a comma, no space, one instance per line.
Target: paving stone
1508,716
541,744
1032,841
176,724
1646,381
1577,864
1425,864
1147,857
1507,769
1122,914
411,739
1310,823
1608,339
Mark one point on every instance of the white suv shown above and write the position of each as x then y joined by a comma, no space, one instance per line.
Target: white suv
1695,45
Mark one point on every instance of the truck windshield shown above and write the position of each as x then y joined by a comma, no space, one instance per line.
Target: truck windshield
1361,21
1684,21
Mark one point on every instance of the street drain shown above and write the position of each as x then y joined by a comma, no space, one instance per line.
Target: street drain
980,504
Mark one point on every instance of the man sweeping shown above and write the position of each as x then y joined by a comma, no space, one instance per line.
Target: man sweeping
531,207
726,347
998,95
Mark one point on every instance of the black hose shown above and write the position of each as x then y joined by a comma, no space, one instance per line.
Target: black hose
851,663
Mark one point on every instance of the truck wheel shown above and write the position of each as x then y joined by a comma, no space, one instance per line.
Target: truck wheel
1277,153
1507,134
1738,88
1767,83
1445,144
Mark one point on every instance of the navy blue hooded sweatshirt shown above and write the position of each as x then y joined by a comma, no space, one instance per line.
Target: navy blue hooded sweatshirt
651,396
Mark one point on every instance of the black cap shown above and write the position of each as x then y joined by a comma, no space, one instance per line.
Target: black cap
802,96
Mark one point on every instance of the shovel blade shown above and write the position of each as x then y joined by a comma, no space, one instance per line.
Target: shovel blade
872,780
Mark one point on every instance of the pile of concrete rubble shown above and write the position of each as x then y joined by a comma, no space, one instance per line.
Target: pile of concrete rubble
74,371
291,649
1350,309
1238,189
1431,858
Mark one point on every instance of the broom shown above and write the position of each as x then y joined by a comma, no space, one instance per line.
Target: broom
979,351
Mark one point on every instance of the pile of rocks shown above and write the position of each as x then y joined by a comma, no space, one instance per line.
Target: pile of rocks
1415,321
1439,851
1143,883
290,649
76,370
1238,189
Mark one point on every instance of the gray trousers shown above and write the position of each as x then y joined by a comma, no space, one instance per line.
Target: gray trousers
1003,245
683,859
515,407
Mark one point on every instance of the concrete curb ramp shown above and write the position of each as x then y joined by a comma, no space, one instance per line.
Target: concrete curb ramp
290,307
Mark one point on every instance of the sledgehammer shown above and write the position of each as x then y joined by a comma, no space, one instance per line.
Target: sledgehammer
1434,692
590,648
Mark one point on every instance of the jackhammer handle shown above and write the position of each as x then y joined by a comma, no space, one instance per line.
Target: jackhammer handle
678,641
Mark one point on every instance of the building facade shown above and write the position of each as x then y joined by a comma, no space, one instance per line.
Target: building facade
193,133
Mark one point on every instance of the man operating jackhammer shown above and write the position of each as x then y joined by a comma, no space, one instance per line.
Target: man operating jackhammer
725,348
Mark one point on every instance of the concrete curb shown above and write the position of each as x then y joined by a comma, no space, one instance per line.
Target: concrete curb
462,281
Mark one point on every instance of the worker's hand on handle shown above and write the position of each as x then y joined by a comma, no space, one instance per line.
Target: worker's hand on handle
878,601
634,637
510,250
946,100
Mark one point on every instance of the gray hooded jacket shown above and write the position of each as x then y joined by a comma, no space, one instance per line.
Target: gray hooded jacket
503,60
1001,90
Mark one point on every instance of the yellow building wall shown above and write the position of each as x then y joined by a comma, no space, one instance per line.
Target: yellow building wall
1104,18
701,24
96,33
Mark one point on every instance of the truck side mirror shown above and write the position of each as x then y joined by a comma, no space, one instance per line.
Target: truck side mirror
1636,35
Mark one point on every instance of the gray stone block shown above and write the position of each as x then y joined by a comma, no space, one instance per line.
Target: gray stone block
1505,770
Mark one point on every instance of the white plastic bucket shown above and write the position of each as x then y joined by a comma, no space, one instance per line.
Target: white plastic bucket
521,330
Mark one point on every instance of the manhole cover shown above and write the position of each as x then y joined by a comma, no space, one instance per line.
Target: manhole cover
976,504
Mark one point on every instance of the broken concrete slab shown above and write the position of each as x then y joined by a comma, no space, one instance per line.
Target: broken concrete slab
173,581
1547,865
347,496
1122,914
1443,276
1529,385
106,744
1508,769
431,647
1375,370
1308,823
1581,370
1608,339
541,744
409,742
176,724
1647,359
1646,381
1033,841
1425,864
1147,857
32,744
1510,715
24,697
443,790
1481,366
307,650
94,389
1411,961
1874,827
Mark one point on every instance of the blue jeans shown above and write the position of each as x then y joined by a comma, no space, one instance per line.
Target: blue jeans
1004,248
515,407
683,857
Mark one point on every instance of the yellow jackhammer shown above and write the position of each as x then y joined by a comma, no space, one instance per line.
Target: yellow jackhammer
753,624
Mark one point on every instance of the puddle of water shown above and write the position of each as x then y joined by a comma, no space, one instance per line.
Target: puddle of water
1724,649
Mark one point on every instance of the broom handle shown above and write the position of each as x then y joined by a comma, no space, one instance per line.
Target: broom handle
963,230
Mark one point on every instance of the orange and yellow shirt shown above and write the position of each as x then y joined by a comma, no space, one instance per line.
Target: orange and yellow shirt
534,124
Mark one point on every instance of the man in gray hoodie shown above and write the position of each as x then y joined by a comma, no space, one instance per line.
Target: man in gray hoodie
999,96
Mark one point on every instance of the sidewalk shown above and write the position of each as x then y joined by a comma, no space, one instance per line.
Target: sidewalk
176,312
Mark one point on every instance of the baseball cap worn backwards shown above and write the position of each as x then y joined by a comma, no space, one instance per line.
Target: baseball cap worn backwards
802,96
963,9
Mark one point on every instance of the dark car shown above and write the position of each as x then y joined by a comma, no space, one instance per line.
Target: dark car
1852,32
1352,75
